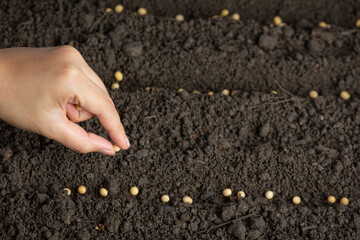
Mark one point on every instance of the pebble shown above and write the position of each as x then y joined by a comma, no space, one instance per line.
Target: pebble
133,49
267,42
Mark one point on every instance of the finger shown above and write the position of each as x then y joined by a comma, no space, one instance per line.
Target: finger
76,115
75,137
95,100
92,75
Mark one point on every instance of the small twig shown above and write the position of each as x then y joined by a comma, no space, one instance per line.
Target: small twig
309,228
226,223
293,96
283,89
270,103
150,117
350,31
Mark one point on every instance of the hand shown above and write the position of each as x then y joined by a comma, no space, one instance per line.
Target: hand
39,91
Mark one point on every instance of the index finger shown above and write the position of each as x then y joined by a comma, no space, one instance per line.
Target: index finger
97,101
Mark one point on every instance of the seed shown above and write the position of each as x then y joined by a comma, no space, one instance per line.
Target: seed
79,108
148,88
331,199
116,148
323,24
82,189
108,10
210,93
224,12
313,94
134,191
196,92
235,16
115,86
225,92
357,23
344,95
179,18
277,20
119,8
241,194
165,198
142,11
269,194
187,199
233,93
215,17
68,191
103,192
344,201
296,200
227,192
118,75
180,90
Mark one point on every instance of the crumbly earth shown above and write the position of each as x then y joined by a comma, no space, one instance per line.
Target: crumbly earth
194,144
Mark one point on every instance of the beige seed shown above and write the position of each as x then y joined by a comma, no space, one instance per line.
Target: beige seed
277,20
119,8
165,198
241,194
322,24
269,194
196,92
224,12
82,189
344,95
225,92
296,200
331,199
210,93
79,108
180,90
103,192
108,10
344,201
187,199
235,16
357,23
313,94
233,93
227,192
115,86
118,76
116,148
179,18
134,191
68,191
142,11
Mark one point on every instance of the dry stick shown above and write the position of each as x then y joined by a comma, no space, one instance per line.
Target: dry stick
270,103
294,97
226,223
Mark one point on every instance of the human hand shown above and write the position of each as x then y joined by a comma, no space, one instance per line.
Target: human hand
39,91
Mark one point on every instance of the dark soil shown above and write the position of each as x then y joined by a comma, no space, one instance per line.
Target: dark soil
194,144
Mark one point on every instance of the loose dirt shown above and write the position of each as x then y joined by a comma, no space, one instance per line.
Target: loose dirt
194,144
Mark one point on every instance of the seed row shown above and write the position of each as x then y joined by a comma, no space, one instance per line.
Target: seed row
227,192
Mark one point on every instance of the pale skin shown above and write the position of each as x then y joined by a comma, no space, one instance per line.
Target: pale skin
39,91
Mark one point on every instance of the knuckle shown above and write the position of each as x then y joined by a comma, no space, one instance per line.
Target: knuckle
67,51
66,72
82,149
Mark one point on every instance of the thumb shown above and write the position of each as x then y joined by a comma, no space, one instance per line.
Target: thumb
76,138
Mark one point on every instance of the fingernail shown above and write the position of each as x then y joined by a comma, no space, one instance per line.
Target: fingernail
127,141
108,152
